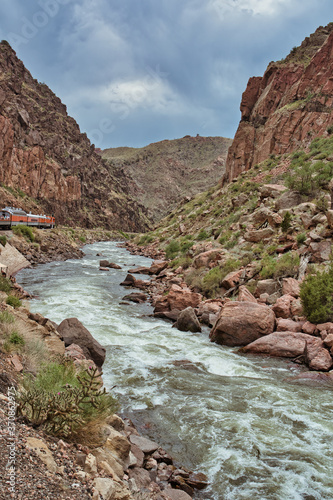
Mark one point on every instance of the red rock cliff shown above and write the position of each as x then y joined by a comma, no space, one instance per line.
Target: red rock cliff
287,107
44,155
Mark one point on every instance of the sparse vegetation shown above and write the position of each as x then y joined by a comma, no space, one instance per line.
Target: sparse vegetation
24,231
63,401
317,296
5,285
13,301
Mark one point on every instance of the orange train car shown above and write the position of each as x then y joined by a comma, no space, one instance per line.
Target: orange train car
11,216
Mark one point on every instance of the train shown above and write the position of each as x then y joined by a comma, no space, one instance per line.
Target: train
10,216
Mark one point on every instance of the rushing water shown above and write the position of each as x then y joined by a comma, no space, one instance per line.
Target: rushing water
240,419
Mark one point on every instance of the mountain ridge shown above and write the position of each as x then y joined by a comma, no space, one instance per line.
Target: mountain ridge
162,174
47,163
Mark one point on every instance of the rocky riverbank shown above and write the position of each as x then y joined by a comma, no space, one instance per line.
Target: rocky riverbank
269,322
112,462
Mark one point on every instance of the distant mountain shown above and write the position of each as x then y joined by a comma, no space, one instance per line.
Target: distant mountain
162,174
47,164
288,107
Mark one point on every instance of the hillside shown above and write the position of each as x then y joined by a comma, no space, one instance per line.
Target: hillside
47,164
162,174
287,107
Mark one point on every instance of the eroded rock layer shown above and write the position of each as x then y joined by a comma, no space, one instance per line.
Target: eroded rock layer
44,156
287,107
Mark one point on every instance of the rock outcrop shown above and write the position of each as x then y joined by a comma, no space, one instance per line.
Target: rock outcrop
287,107
47,164
72,331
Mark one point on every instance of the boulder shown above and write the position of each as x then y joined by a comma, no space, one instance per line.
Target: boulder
316,356
140,476
137,297
118,445
309,328
180,298
244,295
232,279
106,263
72,331
282,307
328,327
158,266
172,494
269,286
320,251
240,323
187,321
293,345
288,325
209,310
279,344
145,444
205,258
290,286
128,281
271,190
139,270
288,199
259,235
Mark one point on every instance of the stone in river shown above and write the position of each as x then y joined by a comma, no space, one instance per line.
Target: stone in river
146,445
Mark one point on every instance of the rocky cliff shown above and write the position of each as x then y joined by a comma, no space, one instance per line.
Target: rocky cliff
47,163
287,107
164,173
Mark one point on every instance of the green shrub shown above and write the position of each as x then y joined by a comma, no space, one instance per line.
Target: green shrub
211,282
5,285
62,401
300,238
16,339
145,239
185,246
203,235
83,239
284,266
13,301
317,296
172,249
6,317
285,225
3,240
322,204
24,231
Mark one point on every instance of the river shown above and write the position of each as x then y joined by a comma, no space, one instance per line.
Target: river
243,420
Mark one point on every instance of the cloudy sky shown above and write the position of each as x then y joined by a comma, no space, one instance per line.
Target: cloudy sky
132,72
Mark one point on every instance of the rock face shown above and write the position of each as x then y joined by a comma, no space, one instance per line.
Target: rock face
163,173
241,323
289,105
293,345
187,321
44,155
73,332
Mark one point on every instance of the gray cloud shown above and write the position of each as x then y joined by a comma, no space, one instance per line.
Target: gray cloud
136,72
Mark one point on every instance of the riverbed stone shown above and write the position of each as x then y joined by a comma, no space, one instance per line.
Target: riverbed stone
72,331
279,344
146,445
187,321
172,494
240,323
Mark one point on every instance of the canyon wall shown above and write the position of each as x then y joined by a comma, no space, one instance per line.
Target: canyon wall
47,163
287,107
